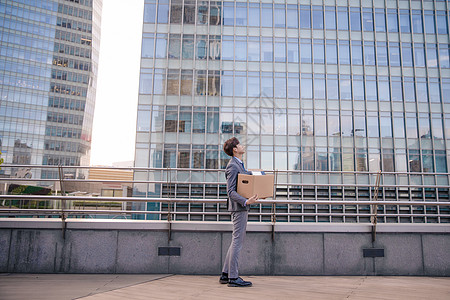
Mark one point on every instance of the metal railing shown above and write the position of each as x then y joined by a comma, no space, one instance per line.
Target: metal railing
200,195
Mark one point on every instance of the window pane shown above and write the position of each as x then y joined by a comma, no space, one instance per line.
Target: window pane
382,54
306,88
292,16
409,89
228,13
201,47
355,19
267,85
417,21
394,54
422,91
280,15
405,21
319,55
148,47
396,90
317,17
188,46
331,53
293,87
386,128
293,52
253,87
383,90
161,46
372,127
358,89
344,52
305,51
429,22
253,50
202,14
345,88
380,22
215,13
240,86
368,21
176,12
174,46
149,13
342,18
332,89
189,12
253,15
407,55
267,19
319,88
442,23
369,53
357,58
163,12
432,59
280,52
267,51
392,20
241,14
305,16
371,90
330,17
419,55
186,82
444,56
240,50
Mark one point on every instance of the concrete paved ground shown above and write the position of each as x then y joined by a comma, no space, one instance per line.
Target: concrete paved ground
99,287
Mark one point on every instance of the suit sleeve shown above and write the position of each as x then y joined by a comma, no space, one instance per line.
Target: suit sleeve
232,174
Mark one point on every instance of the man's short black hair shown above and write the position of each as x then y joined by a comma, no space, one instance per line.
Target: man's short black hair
229,145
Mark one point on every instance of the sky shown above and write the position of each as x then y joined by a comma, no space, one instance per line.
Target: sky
114,128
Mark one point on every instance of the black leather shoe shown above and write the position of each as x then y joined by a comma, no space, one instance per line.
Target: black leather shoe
239,282
223,279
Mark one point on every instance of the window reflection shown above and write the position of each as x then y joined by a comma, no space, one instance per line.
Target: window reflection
176,11
174,45
266,15
189,12
253,15
188,46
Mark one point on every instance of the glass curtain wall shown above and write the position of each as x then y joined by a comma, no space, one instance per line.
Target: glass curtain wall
304,87
48,71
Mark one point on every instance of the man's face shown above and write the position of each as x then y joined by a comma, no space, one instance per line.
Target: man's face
239,149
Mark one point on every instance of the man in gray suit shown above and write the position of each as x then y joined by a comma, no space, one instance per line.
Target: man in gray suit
239,207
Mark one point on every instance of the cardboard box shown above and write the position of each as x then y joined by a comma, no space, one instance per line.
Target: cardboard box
261,185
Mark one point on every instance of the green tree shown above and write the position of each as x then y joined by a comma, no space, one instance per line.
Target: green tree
1,159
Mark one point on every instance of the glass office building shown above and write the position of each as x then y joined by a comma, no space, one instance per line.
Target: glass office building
331,90
48,72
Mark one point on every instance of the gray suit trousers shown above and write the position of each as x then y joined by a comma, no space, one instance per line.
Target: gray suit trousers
231,262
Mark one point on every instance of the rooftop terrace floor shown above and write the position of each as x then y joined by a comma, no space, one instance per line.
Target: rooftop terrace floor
99,287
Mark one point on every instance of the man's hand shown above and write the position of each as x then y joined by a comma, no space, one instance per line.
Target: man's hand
252,200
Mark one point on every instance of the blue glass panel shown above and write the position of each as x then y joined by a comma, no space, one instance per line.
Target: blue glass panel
330,17
149,13
332,89
305,17
292,16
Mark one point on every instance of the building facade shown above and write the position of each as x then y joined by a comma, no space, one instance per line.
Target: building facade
333,91
48,73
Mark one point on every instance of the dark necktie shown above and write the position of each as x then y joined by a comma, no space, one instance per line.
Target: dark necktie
242,163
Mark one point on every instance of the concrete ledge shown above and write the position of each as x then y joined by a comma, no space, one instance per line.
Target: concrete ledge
106,224
104,246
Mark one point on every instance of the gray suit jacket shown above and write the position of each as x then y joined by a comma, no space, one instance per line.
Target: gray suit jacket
235,201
